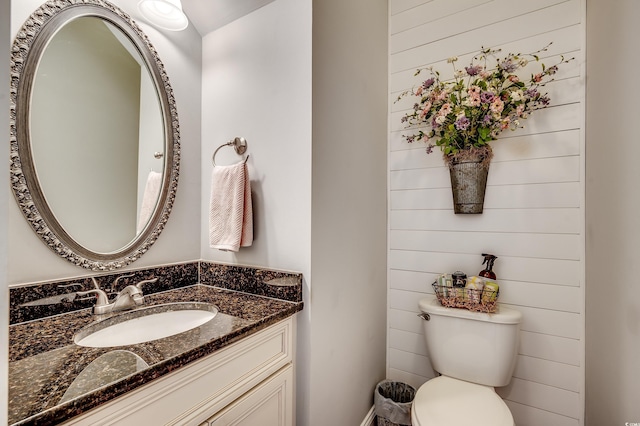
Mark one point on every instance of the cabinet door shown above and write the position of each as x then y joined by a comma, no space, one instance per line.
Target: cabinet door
268,404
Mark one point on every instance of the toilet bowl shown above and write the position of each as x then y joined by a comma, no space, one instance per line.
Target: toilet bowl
473,352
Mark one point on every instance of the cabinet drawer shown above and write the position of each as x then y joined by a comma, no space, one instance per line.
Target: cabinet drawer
191,394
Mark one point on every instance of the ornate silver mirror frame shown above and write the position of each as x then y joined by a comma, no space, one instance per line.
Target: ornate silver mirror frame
27,48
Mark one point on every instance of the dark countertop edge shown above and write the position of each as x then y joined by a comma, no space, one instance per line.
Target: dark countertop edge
86,402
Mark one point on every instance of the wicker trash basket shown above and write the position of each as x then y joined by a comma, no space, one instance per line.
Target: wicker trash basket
393,402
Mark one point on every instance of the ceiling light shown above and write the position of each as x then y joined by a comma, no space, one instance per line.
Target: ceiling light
165,14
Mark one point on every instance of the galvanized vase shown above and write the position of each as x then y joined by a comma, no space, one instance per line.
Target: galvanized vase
468,183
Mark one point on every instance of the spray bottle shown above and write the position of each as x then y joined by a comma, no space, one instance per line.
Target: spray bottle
488,273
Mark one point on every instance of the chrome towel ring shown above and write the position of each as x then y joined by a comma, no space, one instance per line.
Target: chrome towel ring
239,145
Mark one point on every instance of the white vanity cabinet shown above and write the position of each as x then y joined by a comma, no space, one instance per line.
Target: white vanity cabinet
247,383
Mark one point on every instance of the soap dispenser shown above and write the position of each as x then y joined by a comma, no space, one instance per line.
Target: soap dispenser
487,272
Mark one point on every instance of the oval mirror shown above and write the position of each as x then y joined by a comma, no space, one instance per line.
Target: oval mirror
94,133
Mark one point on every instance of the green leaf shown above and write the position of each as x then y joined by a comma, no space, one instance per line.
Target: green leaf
484,134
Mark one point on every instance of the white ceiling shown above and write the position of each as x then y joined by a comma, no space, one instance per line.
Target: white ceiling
209,15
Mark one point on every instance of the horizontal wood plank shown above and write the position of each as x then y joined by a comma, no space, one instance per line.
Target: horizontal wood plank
407,54
526,415
525,196
399,6
550,246
546,221
566,41
466,21
549,373
437,9
549,398
408,342
413,363
552,348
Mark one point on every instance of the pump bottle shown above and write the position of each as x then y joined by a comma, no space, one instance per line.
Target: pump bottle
487,272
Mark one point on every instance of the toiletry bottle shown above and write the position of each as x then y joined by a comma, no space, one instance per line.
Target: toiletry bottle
488,273
459,282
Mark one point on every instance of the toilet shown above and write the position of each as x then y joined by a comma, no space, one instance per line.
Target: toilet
474,352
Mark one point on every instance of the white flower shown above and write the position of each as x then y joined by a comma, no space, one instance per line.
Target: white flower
517,95
452,59
440,119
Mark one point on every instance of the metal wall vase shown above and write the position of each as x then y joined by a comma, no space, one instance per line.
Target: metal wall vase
468,183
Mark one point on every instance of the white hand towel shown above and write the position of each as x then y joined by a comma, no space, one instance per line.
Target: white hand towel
149,199
230,211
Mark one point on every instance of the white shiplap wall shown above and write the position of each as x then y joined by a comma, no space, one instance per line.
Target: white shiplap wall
533,218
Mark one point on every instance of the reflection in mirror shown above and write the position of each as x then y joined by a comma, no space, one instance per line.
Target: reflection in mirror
92,96
106,369
94,134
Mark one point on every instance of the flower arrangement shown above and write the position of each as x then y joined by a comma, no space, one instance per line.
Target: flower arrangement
462,115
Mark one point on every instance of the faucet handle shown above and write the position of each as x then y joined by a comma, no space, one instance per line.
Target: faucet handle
114,285
103,299
141,283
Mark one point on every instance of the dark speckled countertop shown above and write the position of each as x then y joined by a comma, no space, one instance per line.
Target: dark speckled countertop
52,379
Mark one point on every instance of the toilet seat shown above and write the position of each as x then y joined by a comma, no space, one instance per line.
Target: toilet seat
445,401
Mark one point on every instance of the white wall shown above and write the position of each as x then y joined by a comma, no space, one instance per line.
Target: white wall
613,306
323,216
256,83
181,55
5,14
534,207
348,232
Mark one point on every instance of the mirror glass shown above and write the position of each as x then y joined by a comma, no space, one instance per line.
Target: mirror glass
95,145
94,99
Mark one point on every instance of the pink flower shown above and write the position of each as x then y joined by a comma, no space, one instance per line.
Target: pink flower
537,78
419,91
497,106
442,95
473,98
425,110
445,109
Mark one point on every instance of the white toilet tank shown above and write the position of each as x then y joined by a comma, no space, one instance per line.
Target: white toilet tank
473,346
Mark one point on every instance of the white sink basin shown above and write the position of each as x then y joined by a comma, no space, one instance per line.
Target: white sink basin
145,325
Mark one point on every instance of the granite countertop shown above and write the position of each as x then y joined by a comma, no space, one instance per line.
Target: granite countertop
51,379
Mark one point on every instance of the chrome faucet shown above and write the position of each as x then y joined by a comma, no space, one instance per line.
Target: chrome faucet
128,298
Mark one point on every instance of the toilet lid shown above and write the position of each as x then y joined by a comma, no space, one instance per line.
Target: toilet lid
445,401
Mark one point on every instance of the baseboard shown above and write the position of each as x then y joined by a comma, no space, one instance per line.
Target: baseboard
370,418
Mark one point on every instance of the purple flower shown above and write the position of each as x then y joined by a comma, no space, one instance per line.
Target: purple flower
462,123
473,70
486,97
486,120
508,66
430,148
544,100
531,93
428,83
